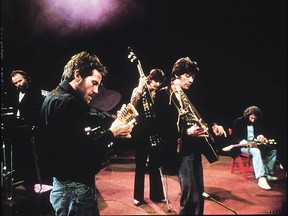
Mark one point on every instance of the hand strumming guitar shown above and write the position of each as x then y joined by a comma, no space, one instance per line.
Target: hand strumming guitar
121,129
197,131
262,139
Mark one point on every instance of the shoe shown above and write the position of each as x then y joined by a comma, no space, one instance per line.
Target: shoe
158,200
262,182
271,178
137,203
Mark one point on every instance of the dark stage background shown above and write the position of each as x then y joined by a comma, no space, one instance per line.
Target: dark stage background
240,46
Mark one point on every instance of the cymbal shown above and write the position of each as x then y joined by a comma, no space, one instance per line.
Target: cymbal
106,99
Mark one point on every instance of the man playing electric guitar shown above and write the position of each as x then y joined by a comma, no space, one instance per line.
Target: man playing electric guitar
175,127
146,137
244,130
66,151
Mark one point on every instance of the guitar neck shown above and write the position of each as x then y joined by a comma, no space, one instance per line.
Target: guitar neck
141,73
255,143
242,145
132,58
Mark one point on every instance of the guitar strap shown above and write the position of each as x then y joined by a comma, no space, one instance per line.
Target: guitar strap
178,106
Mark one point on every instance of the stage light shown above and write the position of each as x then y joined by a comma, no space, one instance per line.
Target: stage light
75,16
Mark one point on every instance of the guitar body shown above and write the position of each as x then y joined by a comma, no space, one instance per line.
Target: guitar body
149,118
202,145
207,145
155,140
147,105
127,114
253,144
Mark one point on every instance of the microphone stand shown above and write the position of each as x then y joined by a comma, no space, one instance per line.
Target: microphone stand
206,195
164,190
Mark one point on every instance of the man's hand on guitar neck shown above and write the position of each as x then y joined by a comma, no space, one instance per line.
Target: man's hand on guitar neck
137,92
142,84
242,143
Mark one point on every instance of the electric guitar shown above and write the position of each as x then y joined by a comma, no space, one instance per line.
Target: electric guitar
188,113
155,140
127,114
146,97
134,58
253,144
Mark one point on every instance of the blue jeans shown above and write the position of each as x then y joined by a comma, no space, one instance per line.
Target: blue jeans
192,185
263,161
73,198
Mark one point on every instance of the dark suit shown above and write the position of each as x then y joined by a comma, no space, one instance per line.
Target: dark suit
21,130
187,162
29,106
143,135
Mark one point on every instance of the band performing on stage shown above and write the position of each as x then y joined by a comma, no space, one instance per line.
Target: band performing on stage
46,136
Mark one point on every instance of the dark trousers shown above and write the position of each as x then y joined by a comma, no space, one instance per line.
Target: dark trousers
192,185
142,152
24,161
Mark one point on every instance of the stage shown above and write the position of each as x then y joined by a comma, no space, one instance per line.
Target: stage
230,193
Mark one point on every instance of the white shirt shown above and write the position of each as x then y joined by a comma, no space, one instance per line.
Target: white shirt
250,132
21,95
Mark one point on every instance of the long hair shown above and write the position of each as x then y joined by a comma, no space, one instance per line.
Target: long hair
252,110
157,75
184,65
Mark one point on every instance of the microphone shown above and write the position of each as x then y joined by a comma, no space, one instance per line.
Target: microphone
163,88
207,196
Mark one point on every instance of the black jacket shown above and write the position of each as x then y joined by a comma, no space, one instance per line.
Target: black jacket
239,129
167,116
29,106
66,151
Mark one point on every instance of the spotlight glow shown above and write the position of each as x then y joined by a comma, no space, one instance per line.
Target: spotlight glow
66,16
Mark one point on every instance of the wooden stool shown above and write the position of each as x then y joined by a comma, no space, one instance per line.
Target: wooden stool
243,164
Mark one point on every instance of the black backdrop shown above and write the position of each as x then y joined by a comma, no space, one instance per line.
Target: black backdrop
240,46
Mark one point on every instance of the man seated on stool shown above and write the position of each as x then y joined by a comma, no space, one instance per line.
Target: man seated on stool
263,156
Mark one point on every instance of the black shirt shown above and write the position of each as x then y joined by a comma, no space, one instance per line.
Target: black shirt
67,152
